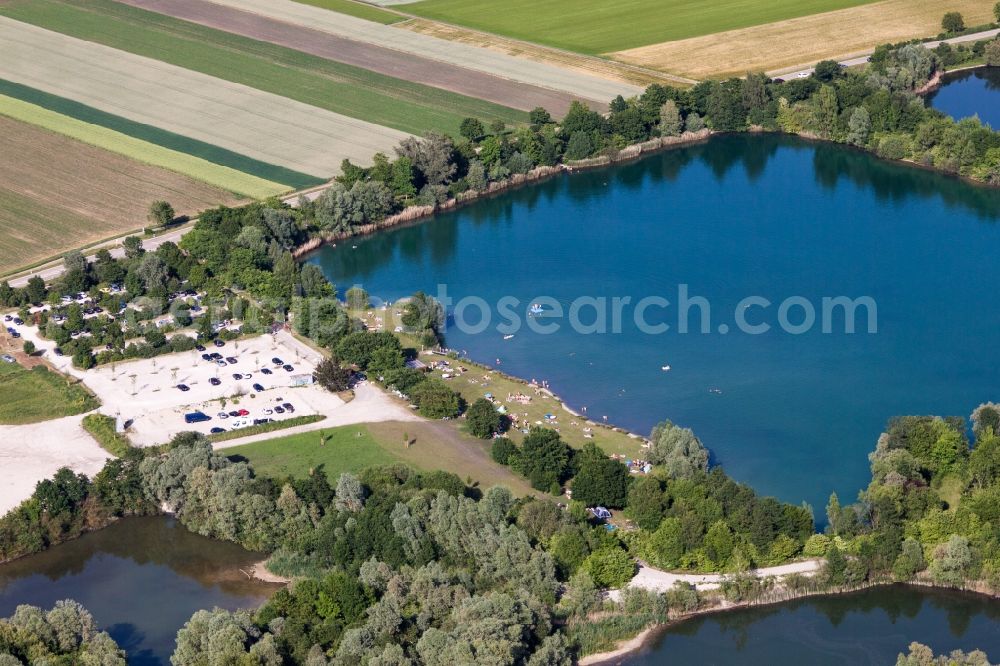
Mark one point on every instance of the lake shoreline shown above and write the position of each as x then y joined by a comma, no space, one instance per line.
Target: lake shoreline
647,636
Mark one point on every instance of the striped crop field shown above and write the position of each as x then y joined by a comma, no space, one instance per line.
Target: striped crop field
251,122
341,88
271,174
57,193
142,151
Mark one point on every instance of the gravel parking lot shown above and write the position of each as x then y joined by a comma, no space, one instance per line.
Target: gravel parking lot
146,391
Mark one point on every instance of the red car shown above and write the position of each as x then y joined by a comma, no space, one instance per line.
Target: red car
244,412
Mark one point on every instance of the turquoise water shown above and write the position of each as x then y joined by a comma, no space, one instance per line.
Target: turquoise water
141,578
793,415
870,627
968,93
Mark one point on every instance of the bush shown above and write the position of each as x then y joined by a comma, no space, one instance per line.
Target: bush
482,419
331,376
894,147
503,450
435,399
953,22
610,567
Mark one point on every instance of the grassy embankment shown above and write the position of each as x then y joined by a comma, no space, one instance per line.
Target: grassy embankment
30,396
102,429
344,89
597,26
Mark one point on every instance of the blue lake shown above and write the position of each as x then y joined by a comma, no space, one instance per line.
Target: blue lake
870,627
792,414
968,93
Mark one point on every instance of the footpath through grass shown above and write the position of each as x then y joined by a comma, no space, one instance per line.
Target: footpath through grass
30,396
357,10
600,26
344,89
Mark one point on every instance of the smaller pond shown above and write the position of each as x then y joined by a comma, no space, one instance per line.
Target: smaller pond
142,578
870,627
968,93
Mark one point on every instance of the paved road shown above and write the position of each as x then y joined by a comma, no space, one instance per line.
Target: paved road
862,58
55,269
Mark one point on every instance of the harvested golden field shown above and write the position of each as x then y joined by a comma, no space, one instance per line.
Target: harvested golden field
606,69
804,41
57,194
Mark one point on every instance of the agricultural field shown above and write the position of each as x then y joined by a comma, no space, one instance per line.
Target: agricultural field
551,75
57,193
357,9
39,394
434,445
198,169
598,26
803,41
242,174
245,120
296,75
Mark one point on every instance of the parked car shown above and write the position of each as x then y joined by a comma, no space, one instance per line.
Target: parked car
277,361
18,321
184,387
7,358
261,421
234,413
219,343
216,356
244,412
222,415
288,407
247,375
268,412
206,357
258,388
200,348
7,317
214,381
15,334
266,371
57,351
237,376
231,360
279,410
220,362
216,430
196,417
288,368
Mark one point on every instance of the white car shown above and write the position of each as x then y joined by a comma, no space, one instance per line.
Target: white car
803,75
268,412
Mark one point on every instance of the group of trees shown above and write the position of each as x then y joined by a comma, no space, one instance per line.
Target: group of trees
66,634
929,511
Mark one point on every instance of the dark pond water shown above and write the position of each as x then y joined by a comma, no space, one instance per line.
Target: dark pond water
969,93
141,578
870,627
792,414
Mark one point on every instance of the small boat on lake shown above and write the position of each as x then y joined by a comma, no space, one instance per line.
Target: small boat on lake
665,368
508,337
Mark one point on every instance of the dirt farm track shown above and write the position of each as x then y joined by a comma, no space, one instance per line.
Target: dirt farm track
408,66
